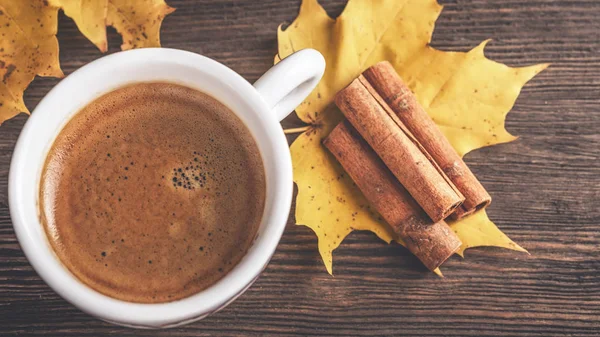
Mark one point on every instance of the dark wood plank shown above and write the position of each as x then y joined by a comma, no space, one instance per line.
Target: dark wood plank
546,189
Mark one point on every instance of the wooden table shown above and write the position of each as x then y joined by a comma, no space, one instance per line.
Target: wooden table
546,190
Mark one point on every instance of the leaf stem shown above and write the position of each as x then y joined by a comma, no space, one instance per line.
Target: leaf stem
296,130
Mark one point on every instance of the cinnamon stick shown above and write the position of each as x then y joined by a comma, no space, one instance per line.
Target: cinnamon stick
388,84
431,242
398,149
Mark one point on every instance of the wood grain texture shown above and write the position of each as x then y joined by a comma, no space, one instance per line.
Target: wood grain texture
545,185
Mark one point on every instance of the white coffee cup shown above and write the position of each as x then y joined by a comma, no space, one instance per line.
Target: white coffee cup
260,107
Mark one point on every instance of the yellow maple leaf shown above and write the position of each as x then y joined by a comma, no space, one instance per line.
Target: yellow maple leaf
466,94
28,44
28,47
138,21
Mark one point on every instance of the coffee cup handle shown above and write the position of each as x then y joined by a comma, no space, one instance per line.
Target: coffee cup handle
289,82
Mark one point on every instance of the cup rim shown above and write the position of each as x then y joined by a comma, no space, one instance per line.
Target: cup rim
191,308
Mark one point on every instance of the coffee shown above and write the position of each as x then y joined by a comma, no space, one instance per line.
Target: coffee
152,192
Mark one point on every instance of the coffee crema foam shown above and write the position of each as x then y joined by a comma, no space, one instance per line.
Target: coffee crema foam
152,192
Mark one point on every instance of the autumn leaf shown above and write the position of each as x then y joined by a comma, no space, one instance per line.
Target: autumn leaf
28,44
466,94
28,47
138,21
90,17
